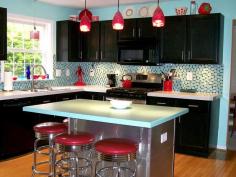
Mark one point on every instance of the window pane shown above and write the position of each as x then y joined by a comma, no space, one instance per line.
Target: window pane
8,67
38,58
19,57
9,57
18,40
29,58
28,44
19,70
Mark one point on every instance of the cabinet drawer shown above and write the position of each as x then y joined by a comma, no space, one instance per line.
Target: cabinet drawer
161,101
195,105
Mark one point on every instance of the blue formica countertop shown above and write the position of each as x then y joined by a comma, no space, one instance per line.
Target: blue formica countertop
101,111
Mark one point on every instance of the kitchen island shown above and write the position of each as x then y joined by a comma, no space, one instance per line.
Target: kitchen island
152,127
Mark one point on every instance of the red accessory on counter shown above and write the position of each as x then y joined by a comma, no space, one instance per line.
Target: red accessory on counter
205,8
80,74
167,85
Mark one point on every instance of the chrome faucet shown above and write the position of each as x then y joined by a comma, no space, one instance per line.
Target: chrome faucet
32,80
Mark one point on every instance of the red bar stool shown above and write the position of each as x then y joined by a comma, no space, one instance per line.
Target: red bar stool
117,153
45,132
75,152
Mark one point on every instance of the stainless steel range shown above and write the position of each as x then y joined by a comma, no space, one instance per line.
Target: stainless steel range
141,85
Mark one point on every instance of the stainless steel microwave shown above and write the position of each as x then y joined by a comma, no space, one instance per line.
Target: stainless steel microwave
137,54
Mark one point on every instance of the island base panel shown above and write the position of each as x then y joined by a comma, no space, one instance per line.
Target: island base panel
154,159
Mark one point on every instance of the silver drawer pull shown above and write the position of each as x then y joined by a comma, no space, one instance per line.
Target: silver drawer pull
160,103
46,101
193,106
64,99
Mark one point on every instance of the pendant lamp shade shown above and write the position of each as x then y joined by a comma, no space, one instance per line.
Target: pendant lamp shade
34,34
118,20
86,17
158,18
85,12
85,24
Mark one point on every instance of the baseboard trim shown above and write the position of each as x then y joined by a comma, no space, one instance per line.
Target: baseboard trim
218,147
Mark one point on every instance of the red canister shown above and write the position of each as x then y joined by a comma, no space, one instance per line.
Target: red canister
167,85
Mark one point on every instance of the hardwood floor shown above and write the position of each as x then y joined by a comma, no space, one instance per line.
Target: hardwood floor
219,164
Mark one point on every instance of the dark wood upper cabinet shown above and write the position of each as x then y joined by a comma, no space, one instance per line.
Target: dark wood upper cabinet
69,41
3,34
192,39
91,43
100,43
173,40
137,29
108,42
205,39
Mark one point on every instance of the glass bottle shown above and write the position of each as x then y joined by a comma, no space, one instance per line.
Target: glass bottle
28,72
193,7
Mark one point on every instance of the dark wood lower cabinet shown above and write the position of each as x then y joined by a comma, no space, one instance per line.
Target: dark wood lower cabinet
92,96
16,126
193,128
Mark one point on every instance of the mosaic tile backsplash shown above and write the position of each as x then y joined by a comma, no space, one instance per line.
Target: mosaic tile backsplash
206,78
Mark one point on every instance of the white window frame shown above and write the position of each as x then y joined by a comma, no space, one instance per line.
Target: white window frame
47,40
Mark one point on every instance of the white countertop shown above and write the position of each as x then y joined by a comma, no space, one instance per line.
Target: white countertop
101,111
185,95
6,95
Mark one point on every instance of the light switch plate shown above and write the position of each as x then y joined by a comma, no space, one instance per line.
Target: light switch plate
67,72
189,76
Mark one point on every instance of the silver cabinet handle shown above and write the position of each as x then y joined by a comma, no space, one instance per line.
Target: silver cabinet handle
96,54
101,55
161,103
46,101
81,55
92,97
139,32
193,106
179,120
189,55
133,32
182,55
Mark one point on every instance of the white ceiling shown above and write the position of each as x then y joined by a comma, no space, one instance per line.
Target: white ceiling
94,3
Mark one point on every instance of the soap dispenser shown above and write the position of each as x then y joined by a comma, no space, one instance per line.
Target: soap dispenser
28,72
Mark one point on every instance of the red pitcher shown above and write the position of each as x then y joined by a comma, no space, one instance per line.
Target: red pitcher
167,85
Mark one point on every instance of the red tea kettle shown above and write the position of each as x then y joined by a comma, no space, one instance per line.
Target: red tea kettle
126,81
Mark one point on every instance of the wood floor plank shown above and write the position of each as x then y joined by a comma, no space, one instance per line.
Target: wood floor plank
219,164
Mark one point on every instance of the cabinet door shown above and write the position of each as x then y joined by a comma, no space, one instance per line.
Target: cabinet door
108,43
91,42
192,135
16,131
204,39
129,32
69,41
173,40
145,30
3,34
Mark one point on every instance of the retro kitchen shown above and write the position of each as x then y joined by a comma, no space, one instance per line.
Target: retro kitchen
117,88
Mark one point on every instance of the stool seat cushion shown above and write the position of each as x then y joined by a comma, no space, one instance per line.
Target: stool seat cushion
116,146
81,138
51,128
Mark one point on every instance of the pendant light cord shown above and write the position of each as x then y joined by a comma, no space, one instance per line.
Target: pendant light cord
118,5
85,4
157,2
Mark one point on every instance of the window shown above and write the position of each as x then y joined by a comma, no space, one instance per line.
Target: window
23,51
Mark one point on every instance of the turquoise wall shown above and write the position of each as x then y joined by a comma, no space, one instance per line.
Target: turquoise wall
227,8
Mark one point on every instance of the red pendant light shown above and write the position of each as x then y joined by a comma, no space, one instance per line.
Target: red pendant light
85,23
34,34
118,20
158,18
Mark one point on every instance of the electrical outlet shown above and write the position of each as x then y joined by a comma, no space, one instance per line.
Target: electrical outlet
67,72
58,72
91,73
163,137
189,76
